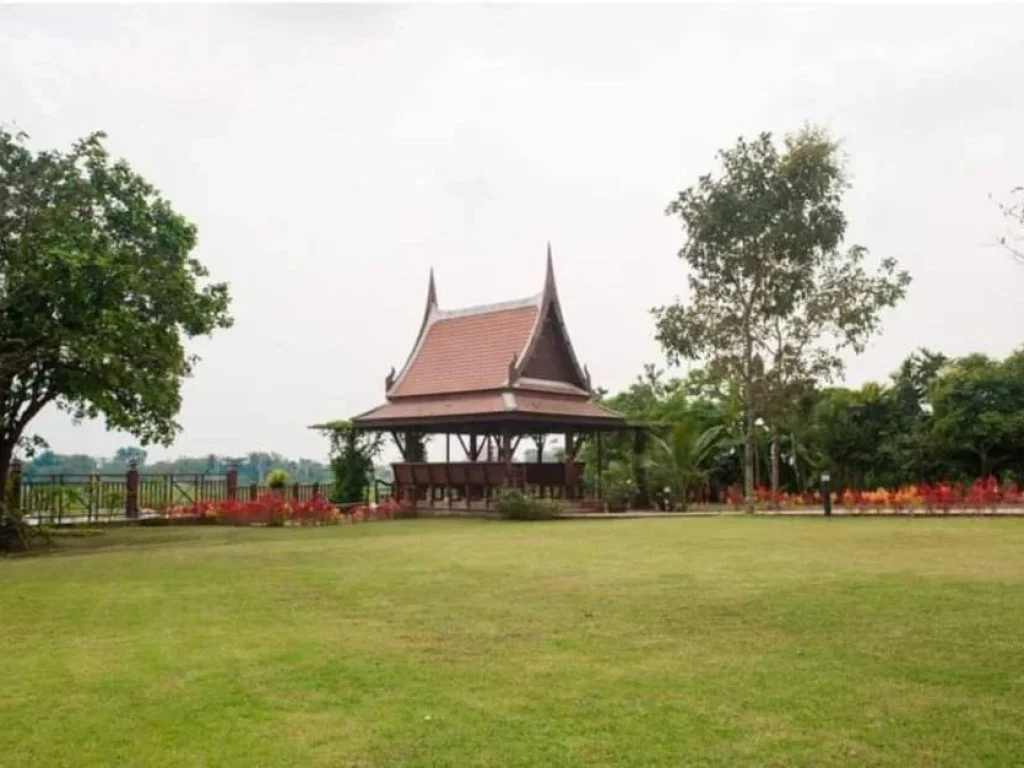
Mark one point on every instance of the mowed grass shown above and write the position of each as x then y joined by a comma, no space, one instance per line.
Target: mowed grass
728,641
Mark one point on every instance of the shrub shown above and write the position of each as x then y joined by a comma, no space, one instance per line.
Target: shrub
513,504
277,479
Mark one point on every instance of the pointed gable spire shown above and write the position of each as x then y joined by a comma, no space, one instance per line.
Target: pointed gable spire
431,301
431,291
431,308
549,276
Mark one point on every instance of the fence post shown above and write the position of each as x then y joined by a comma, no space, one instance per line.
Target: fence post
254,491
13,489
233,483
131,497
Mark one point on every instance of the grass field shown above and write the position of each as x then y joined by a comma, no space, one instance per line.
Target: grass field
729,641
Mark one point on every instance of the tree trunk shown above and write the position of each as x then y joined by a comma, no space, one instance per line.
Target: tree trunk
749,451
775,461
796,463
6,454
748,416
12,535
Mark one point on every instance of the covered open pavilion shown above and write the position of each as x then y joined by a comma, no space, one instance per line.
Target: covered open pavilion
490,376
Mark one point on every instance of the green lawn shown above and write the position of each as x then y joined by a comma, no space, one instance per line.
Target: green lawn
728,641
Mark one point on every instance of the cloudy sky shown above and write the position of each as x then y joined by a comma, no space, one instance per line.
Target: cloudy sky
330,155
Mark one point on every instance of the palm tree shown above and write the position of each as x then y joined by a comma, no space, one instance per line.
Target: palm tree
688,454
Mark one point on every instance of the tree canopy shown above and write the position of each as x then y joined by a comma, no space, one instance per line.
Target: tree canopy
773,297
934,419
98,293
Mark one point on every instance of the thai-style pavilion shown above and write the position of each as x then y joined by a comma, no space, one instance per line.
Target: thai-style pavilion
491,375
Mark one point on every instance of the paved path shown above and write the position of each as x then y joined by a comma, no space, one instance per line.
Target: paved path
836,512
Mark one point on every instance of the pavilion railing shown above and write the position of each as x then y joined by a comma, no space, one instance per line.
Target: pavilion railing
466,482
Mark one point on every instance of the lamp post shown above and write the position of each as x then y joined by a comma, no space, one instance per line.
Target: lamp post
826,493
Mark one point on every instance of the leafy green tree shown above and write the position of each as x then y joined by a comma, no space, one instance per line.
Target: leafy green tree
765,274
98,291
49,463
123,457
849,426
688,455
840,311
352,455
750,232
977,411
908,450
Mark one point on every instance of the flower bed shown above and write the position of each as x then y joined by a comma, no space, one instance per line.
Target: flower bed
269,509
274,509
386,510
945,497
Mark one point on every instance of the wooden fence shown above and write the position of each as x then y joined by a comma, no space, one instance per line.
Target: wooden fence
97,498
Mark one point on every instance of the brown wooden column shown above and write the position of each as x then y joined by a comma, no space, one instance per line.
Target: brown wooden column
506,453
448,468
539,442
567,459
600,467
131,498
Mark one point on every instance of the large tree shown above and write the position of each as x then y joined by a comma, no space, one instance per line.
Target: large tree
839,312
977,414
772,298
98,293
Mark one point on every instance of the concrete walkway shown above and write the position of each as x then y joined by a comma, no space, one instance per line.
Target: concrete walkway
836,512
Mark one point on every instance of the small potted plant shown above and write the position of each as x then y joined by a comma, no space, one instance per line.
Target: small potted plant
277,480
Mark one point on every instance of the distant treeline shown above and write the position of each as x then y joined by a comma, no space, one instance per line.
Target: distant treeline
252,468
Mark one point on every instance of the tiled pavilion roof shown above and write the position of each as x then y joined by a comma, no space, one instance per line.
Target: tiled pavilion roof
507,363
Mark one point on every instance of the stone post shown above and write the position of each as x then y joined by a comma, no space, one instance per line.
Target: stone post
131,498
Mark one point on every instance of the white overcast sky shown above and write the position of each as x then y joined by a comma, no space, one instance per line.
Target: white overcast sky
331,154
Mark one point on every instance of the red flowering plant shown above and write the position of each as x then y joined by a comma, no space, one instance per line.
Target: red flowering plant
270,509
199,512
315,511
982,494
386,510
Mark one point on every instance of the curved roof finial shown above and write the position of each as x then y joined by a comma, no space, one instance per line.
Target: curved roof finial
549,275
431,291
